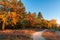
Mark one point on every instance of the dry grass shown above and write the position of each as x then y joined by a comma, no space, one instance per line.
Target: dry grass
16,34
51,35
25,35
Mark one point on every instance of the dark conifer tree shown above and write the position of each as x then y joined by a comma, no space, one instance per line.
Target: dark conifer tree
40,15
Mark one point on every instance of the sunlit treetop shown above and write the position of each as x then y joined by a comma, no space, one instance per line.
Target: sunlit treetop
12,5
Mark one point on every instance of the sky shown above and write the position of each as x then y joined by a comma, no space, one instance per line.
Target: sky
50,9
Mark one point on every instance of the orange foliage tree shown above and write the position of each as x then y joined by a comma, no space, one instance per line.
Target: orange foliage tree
13,13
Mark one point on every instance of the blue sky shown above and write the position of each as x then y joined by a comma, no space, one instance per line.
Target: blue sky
50,9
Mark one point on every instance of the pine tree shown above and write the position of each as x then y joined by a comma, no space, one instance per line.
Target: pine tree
40,15
21,6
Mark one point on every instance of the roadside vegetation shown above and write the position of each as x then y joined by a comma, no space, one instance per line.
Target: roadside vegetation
13,15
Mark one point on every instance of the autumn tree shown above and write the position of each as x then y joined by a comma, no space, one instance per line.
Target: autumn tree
13,10
13,13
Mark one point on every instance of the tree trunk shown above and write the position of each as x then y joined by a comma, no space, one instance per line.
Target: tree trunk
3,26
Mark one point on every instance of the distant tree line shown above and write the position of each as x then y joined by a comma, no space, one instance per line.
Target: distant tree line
14,16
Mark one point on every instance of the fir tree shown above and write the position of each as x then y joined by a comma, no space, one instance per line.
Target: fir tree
40,15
